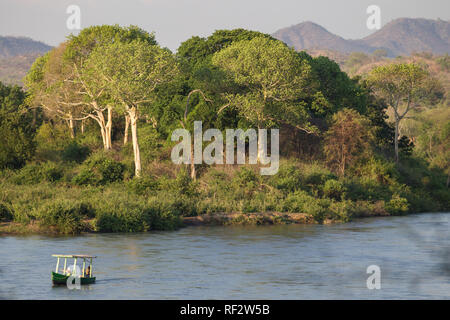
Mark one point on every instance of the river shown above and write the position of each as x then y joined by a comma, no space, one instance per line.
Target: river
262,262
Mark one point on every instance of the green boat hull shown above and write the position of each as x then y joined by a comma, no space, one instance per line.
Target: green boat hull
60,279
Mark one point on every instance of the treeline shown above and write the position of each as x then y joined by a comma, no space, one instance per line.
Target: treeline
69,161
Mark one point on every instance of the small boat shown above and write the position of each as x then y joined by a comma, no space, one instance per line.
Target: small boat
84,274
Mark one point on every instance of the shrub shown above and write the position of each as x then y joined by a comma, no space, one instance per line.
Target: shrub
52,136
397,205
51,172
245,183
127,215
148,142
84,209
5,213
378,170
36,173
296,202
85,177
444,62
317,210
63,215
288,179
110,170
99,170
75,152
334,189
143,185
342,211
218,182
166,216
23,212
314,177
181,185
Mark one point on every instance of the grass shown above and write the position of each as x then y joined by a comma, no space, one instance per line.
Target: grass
100,195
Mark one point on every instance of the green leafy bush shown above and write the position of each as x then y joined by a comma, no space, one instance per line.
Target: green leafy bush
75,152
397,205
85,177
39,172
245,183
181,185
5,213
342,211
334,189
314,178
288,179
110,170
99,170
125,215
64,215
143,186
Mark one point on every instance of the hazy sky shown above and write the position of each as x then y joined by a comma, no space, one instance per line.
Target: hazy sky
174,21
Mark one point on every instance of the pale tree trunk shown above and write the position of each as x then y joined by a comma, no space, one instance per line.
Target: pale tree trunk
82,126
132,112
127,127
71,126
108,129
193,172
103,129
260,151
101,122
103,132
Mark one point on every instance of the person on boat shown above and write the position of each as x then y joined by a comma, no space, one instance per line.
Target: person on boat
87,273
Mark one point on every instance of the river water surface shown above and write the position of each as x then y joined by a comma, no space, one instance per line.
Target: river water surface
265,262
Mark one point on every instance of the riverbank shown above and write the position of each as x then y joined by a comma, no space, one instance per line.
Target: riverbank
44,198
216,219
266,218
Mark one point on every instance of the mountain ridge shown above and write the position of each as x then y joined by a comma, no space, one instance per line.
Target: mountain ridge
402,36
18,46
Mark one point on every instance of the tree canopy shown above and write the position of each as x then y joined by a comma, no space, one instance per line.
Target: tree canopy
404,87
273,81
16,128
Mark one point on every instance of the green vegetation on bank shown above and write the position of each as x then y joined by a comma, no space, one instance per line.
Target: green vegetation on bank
70,164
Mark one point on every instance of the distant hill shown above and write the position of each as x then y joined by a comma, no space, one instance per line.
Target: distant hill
402,36
14,69
17,54
405,36
309,35
18,46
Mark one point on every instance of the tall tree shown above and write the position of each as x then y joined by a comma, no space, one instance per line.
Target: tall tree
60,82
433,139
16,129
404,87
50,87
272,81
78,50
130,72
347,139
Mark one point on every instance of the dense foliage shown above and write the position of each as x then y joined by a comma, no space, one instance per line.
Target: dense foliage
67,164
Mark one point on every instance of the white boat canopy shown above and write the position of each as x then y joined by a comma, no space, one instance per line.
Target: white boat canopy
75,256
